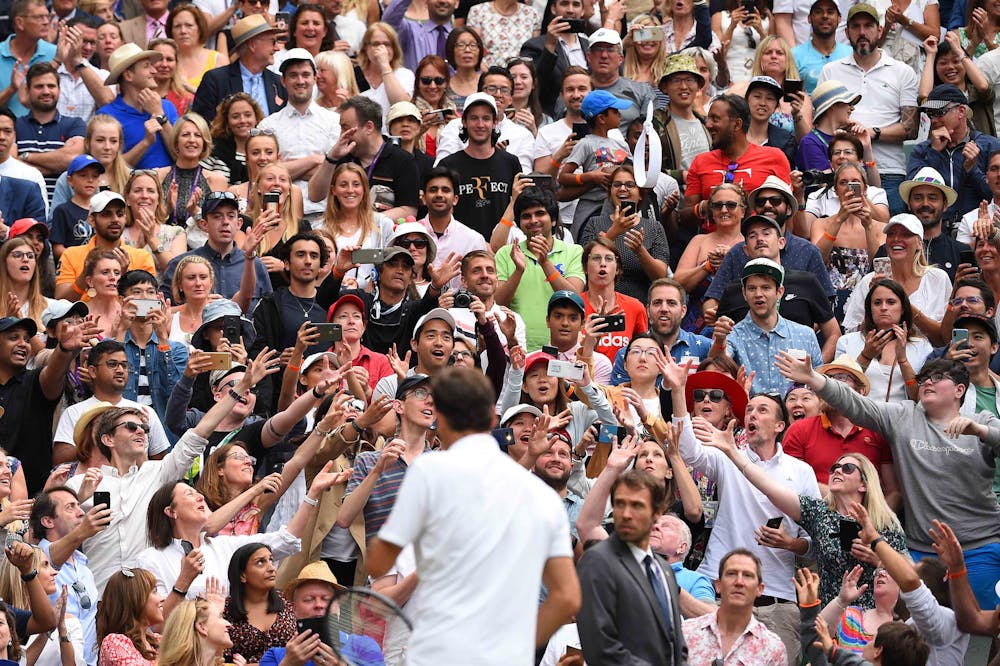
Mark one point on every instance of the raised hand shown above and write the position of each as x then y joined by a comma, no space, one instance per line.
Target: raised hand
623,453
400,365
947,547
850,591
806,586
265,364
793,369
709,435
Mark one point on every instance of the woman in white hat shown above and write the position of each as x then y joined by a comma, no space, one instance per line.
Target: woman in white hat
415,238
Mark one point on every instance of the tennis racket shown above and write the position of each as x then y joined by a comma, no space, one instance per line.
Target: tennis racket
363,626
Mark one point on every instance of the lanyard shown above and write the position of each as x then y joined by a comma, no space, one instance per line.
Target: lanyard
194,185
371,167
826,144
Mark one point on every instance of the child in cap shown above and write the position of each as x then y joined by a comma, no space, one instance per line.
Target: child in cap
69,219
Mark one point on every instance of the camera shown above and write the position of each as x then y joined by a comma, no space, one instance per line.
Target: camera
463,299
813,177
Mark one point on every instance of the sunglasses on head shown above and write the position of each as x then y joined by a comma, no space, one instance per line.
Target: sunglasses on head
715,395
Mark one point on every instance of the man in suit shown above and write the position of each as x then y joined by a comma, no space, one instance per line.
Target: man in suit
556,50
630,612
19,198
149,25
254,39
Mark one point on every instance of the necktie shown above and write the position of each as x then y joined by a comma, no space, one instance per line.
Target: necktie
158,29
441,41
659,591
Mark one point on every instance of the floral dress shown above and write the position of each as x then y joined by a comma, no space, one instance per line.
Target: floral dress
252,642
503,35
118,650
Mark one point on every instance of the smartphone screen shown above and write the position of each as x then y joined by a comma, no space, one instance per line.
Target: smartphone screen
849,531
102,497
666,404
774,523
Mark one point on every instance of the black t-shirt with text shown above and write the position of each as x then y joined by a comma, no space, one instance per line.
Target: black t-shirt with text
485,188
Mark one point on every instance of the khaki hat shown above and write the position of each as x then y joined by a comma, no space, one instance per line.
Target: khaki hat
846,363
862,8
83,423
680,63
829,93
124,57
249,27
318,572
403,110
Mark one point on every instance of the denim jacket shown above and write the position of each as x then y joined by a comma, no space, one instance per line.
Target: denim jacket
164,369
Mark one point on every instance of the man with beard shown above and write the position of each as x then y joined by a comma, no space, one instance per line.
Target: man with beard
964,229
487,173
107,218
954,149
554,468
307,130
440,196
46,139
421,38
928,197
666,308
888,106
26,47
109,372
81,84
822,47
733,159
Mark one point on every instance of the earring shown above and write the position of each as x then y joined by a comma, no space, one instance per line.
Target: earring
92,293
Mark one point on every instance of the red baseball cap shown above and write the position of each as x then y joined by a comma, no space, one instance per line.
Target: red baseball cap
344,300
26,224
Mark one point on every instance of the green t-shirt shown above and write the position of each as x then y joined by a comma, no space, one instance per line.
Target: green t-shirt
986,401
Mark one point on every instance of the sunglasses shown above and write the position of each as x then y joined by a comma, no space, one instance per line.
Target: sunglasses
847,468
728,205
257,131
132,426
419,243
81,590
730,174
436,80
715,395
775,200
221,196
938,113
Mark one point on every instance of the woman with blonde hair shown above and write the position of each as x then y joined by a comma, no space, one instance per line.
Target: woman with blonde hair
187,182
167,75
335,80
188,27
20,282
774,58
129,608
275,178
146,217
193,282
195,635
262,149
238,114
380,73
104,141
644,60
351,219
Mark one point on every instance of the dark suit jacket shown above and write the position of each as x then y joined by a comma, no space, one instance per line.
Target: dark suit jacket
20,198
219,83
549,68
620,621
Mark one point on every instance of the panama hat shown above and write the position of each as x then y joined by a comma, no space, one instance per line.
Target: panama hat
249,27
124,57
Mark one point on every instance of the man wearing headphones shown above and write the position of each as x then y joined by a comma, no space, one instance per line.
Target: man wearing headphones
487,174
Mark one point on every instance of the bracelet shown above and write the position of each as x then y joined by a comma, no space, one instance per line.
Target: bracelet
295,368
551,278
79,292
505,222
910,382
163,347
810,605
179,593
958,574
866,358
554,162
318,396
323,434
708,266
579,179
829,237
236,396
28,577
870,165
64,639
330,160
721,347
310,501
875,543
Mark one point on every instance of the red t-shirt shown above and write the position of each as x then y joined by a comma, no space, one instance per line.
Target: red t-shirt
635,322
812,441
751,170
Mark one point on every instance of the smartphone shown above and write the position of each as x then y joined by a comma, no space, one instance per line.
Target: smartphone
444,114
576,25
11,539
565,370
666,404
627,208
581,130
607,432
573,650
849,531
540,179
967,257
368,256
960,337
276,468
509,112
329,332
283,16
882,266
615,323
774,523
791,86
220,361
313,624
143,306
232,328
654,34
102,497
799,354
854,188
550,350
271,200
395,140
504,437
103,188
186,546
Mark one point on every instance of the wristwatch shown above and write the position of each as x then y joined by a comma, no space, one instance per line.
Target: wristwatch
80,65
162,119
877,131
158,249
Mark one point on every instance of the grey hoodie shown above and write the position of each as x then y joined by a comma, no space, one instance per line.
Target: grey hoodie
943,478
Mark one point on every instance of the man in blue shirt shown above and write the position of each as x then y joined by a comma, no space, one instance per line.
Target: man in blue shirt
421,38
822,47
754,341
146,120
671,538
23,49
666,308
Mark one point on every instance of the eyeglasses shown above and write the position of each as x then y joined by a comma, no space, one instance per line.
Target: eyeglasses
637,352
22,254
132,426
81,590
971,300
684,80
933,378
114,365
728,205
730,174
774,200
850,152
259,131
624,184
419,243
466,46
39,17
937,113
436,80
714,395
847,468
493,90
254,2
462,354
420,393
842,377
239,456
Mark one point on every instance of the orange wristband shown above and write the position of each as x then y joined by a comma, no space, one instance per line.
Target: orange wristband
708,266
554,162
163,348
829,237
579,179
958,574
910,382
810,605
552,277
337,274
79,292
505,222
295,368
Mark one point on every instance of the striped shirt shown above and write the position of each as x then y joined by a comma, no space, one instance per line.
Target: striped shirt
36,137
383,495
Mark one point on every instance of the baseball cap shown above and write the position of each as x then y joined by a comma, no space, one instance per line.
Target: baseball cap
59,308
754,219
410,383
344,300
606,36
979,320
436,313
862,8
598,101
536,357
213,200
944,95
764,267
101,200
908,221
393,251
82,162
218,375
313,358
26,224
8,323
564,295
297,55
765,82
509,415
480,98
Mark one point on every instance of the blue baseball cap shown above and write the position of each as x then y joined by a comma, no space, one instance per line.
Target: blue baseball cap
599,101
82,162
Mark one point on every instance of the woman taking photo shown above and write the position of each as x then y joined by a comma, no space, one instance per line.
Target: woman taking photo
262,149
104,140
645,59
145,220
527,109
927,287
638,237
742,30
351,219
503,25
187,26
129,608
21,283
465,52
825,202
167,77
102,270
195,635
186,183
275,178
602,266
193,282
430,93
380,73
887,347
238,114
948,63
774,59
334,79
